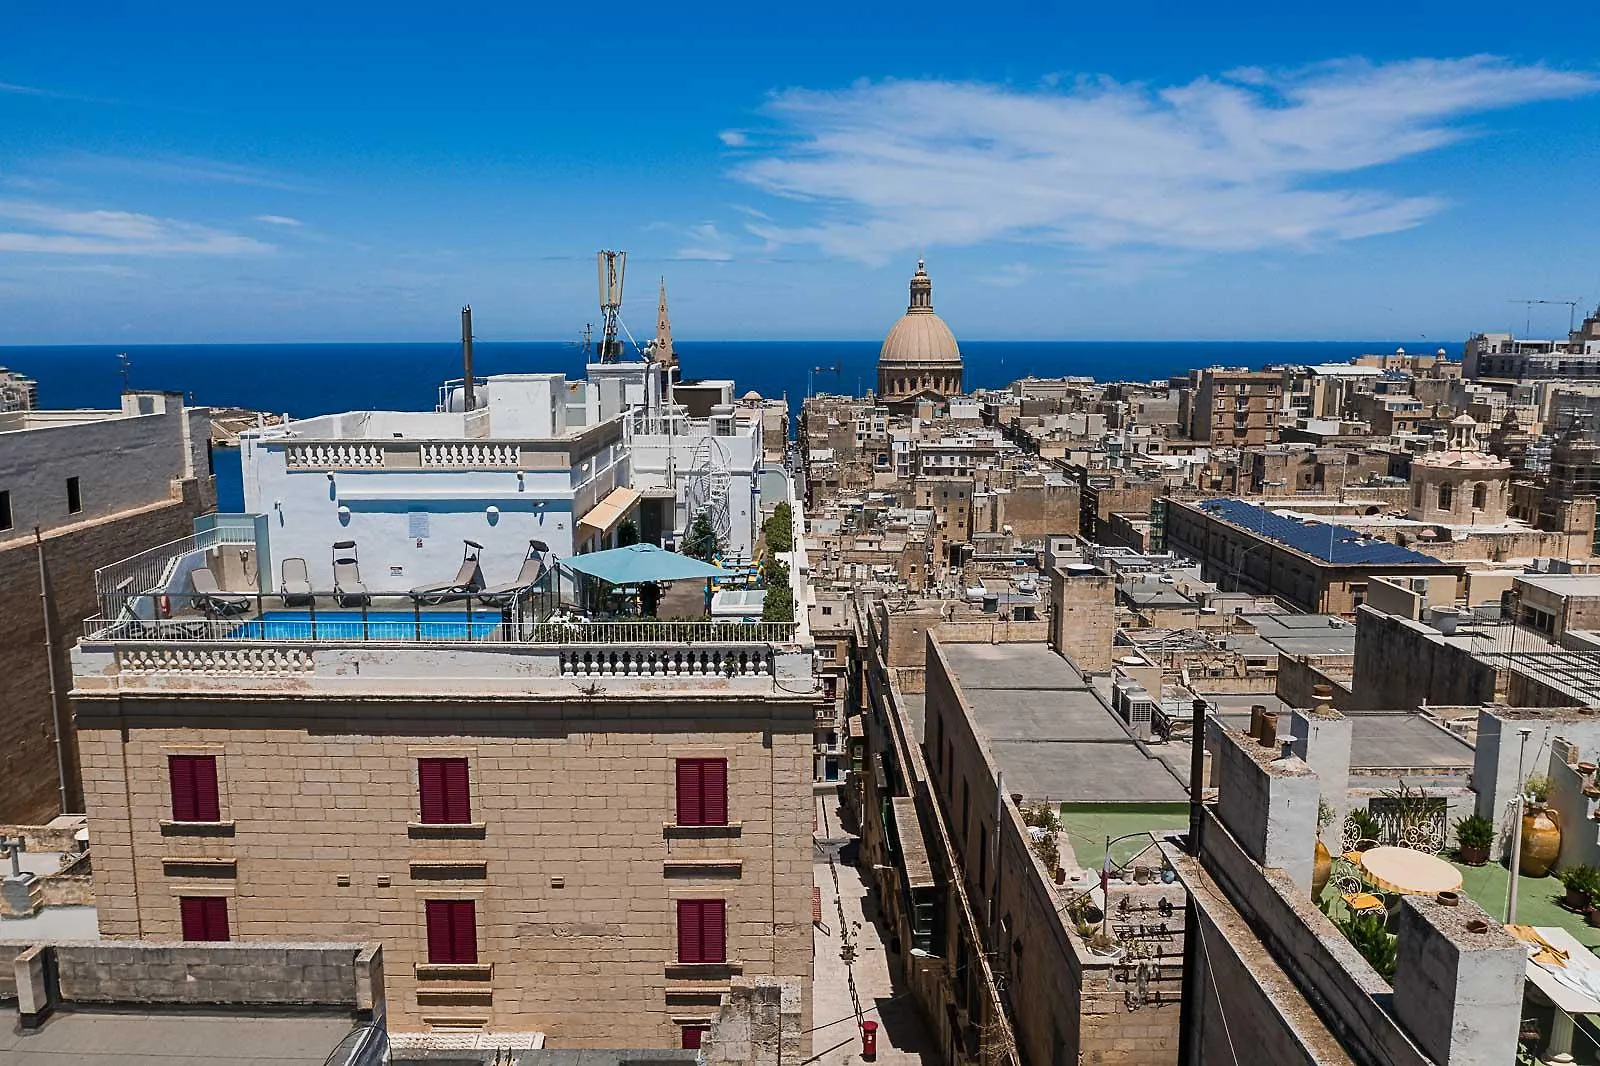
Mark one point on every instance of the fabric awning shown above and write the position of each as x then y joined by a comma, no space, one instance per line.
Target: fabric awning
609,511
642,562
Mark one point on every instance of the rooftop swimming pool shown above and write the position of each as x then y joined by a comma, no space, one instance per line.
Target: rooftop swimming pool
375,626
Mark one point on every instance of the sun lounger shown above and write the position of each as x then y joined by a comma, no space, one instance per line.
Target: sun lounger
296,586
533,568
347,586
210,598
468,580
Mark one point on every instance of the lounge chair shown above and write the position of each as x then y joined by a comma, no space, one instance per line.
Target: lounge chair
296,586
210,598
533,568
347,586
468,580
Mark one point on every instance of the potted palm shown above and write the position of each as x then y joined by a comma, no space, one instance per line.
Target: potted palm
1474,835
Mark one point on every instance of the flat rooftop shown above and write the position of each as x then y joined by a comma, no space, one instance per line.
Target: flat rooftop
1305,634
176,1038
1050,735
1563,584
1338,545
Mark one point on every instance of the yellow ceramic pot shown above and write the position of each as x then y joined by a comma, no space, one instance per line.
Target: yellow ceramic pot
1321,870
1541,841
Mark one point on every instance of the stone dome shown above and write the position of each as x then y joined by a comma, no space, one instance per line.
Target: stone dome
920,336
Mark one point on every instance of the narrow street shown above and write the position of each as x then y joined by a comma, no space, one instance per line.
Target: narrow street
841,889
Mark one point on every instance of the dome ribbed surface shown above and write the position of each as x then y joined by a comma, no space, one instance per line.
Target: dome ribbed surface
920,337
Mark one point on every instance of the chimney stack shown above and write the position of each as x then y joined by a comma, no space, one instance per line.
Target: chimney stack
468,400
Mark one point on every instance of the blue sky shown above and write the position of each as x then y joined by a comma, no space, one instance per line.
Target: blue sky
220,172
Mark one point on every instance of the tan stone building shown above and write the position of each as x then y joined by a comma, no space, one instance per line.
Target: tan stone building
1235,407
589,841
98,485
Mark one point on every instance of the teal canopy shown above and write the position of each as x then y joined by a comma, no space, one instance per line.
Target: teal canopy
638,563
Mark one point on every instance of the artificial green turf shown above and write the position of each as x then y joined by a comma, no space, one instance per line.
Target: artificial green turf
1538,900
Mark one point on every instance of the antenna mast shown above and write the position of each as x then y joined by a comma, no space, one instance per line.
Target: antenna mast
611,267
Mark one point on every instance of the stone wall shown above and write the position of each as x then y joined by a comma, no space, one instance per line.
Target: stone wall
574,860
1401,664
28,780
1082,622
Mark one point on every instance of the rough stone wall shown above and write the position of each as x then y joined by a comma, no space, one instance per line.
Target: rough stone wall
1083,623
575,865
1397,666
758,1024
28,783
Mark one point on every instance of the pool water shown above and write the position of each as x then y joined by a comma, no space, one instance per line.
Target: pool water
379,625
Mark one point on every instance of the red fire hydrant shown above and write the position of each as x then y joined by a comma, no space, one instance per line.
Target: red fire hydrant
869,1040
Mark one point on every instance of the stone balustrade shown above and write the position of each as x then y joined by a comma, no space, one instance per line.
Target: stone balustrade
334,455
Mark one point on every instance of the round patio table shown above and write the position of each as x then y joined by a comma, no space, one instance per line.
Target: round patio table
1405,872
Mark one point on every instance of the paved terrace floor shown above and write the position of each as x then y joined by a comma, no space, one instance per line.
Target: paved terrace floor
174,1038
1050,734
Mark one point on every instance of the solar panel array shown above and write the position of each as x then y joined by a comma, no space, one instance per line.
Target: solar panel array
1339,545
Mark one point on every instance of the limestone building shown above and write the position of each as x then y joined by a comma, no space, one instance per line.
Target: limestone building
920,359
96,486
1462,484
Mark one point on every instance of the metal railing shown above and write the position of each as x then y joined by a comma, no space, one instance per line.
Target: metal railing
483,626
152,568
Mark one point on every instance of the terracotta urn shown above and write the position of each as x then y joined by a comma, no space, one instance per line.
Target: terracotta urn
1321,870
1541,841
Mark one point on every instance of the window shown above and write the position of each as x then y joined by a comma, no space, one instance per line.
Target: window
1446,496
445,792
204,917
1480,496
5,510
692,1035
194,791
74,496
452,931
702,930
702,791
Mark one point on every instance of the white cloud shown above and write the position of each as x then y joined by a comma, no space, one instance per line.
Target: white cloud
279,220
734,138
45,229
707,243
1250,160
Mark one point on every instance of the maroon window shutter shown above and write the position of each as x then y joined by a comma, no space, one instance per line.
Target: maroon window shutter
194,917
439,940
216,911
457,792
430,787
207,803
714,792
180,772
464,932
691,1037
714,930
690,811
689,930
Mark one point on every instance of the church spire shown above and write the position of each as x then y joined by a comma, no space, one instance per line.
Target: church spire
664,352
921,292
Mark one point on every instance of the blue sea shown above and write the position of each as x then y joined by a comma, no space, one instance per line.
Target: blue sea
314,379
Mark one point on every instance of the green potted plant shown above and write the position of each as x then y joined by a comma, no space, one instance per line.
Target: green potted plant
1581,882
1474,837
1537,788
1377,945
1366,826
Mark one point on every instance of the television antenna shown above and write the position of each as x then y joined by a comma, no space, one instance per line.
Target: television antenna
612,267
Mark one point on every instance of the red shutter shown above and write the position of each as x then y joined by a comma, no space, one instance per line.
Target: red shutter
463,932
207,804
452,931
204,917
714,792
439,946
714,930
457,792
691,1037
194,917
194,788
180,771
702,932
690,811
430,787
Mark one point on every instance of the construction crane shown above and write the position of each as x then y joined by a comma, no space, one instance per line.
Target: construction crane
1570,305
612,267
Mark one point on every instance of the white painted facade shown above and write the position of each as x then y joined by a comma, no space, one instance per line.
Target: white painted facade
529,462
